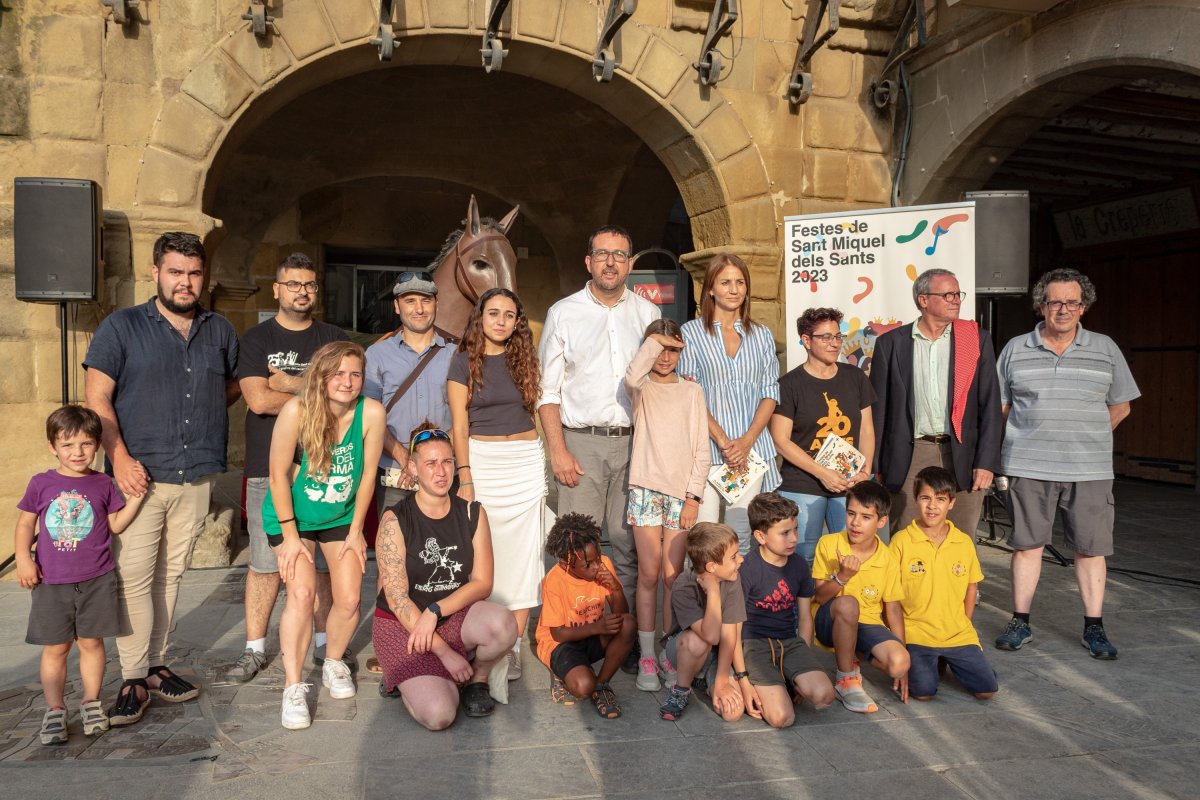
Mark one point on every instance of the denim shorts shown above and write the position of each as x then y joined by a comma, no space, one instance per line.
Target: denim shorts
967,663
648,508
869,636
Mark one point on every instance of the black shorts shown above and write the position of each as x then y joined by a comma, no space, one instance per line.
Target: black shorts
322,536
569,655
63,612
777,662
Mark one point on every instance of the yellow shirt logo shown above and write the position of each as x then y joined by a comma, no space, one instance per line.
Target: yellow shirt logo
834,421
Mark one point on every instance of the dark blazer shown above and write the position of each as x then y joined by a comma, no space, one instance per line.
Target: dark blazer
892,412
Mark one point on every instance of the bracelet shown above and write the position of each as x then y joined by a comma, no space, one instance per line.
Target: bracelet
696,498
289,519
837,580
466,483
737,676
464,466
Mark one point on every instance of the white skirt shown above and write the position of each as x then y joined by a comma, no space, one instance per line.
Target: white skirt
510,482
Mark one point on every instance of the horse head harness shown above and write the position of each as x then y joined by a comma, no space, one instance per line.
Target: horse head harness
461,276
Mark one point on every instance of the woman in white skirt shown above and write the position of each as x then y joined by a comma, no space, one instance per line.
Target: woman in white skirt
493,390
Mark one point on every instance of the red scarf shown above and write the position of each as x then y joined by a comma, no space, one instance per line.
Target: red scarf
966,356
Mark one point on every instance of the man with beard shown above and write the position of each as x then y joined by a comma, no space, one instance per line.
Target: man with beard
274,356
410,399
161,376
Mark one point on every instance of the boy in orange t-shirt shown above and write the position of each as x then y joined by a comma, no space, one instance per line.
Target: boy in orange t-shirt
574,631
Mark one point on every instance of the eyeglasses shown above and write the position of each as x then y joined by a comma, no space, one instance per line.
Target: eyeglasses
619,256
295,286
949,297
1059,305
405,277
826,338
425,436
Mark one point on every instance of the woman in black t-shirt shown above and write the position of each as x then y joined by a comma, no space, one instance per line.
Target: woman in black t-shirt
434,553
820,397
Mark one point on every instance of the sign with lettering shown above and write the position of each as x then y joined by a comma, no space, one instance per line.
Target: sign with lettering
1131,218
863,263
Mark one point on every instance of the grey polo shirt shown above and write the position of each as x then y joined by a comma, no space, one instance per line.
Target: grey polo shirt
1058,425
389,363
170,393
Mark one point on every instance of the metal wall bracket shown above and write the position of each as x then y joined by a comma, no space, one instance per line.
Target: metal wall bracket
260,21
385,37
607,57
493,51
913,23
801,83
124,12
724,14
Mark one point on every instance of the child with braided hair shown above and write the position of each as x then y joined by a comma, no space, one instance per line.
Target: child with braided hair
574,631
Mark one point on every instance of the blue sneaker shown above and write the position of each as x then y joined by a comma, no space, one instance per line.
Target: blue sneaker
1015,635
677,700
1097,643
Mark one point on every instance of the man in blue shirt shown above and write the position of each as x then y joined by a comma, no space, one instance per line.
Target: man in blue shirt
161,376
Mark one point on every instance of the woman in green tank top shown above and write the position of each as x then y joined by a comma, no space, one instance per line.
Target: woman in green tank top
325,440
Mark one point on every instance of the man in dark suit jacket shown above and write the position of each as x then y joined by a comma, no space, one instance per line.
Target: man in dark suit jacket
923,416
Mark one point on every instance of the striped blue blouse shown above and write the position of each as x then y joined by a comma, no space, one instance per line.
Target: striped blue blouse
733,387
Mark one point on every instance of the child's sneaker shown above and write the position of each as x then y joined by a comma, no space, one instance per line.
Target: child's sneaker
677,700
850,691
1097,643
93,716
559,693
295,707
667,670
606,701
54,726
336,677
647,679
1016,634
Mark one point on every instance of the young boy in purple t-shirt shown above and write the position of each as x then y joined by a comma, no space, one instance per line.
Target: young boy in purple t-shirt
71,574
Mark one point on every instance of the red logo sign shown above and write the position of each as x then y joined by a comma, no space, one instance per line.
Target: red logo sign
662,294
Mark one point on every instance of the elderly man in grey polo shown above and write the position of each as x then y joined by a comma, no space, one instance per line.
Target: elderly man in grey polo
1063,390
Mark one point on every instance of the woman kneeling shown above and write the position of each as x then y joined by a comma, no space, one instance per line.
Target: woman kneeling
434,553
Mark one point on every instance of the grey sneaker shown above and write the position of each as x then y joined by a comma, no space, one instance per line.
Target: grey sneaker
95,721
1097,643
247,666
850,691
1015,635
514,665
54,726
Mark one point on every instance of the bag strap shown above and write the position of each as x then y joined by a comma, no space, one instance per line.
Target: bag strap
412,376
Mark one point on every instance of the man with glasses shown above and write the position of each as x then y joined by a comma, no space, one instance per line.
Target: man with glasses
274,356
587,343
407,373
1064,390
937,402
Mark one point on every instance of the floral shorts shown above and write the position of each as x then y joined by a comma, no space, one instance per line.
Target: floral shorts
648,508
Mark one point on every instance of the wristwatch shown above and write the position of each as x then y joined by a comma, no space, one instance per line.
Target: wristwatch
737,676
436,609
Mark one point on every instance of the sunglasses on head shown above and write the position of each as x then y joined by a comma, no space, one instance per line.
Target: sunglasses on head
425,436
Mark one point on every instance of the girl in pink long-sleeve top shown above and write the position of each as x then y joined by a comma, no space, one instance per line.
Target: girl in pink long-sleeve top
667,470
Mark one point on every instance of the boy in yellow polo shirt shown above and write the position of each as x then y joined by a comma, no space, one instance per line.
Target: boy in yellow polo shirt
940,573
858,585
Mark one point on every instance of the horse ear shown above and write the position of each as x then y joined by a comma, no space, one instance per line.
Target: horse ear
473,217
507,222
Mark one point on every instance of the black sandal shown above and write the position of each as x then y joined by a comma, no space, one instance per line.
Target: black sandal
172,688
129,708
476,701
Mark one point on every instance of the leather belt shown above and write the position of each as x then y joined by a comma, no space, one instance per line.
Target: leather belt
941,438
604,430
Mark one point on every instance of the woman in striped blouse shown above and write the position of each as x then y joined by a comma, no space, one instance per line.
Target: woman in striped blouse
734,361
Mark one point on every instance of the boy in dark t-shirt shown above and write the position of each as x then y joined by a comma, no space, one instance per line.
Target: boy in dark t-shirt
776,639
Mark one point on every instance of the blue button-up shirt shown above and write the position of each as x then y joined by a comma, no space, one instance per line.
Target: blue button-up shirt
170,393
389,363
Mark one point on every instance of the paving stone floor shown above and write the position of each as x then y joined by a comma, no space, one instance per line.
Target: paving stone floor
1064,726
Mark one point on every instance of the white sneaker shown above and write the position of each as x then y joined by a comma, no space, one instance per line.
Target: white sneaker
667,670
336,677
647,679
295,707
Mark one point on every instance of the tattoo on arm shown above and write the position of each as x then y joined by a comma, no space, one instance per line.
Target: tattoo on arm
393,572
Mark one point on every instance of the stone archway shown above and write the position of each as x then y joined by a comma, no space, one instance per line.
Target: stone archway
703,143
973,108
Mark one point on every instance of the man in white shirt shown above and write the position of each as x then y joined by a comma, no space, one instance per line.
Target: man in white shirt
588,341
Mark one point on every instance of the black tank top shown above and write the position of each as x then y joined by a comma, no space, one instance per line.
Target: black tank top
440,552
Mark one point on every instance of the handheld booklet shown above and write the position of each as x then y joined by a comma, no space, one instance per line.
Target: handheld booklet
840,456
732,482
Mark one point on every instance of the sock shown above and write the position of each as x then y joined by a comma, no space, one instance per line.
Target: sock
257,645
841,674
1023,617
646,642
319,639
1093,621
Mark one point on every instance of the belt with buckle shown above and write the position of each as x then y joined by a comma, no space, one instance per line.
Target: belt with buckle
941,438
604,430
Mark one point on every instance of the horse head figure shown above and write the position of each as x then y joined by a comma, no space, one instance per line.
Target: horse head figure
474,258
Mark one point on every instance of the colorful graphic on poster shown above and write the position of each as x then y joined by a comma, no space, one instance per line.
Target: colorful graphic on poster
864,263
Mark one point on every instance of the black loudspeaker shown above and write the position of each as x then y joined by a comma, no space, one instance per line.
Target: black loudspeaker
57,223
1001,242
